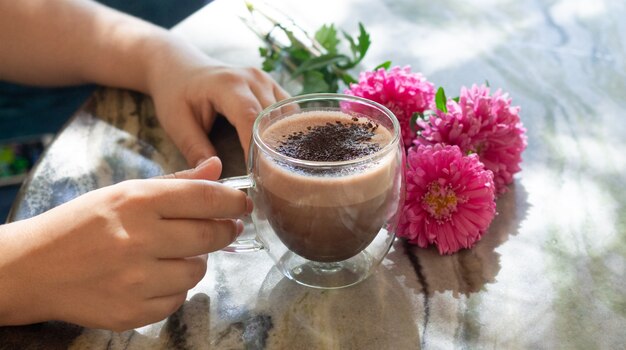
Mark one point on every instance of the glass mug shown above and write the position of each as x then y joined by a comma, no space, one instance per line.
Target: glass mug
326,224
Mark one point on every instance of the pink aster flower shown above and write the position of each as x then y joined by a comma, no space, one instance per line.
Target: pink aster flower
449,198
483,124
398,89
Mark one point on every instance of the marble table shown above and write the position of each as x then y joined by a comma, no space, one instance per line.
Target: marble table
551,271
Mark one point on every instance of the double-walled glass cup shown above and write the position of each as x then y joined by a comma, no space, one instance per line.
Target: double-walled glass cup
326,224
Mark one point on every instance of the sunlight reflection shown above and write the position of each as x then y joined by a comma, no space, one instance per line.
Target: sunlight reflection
456,46
566,10
462,43
565,206
591,152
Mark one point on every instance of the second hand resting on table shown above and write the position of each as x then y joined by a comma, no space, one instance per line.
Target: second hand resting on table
125,255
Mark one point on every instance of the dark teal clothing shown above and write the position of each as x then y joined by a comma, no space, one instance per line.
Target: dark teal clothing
28,111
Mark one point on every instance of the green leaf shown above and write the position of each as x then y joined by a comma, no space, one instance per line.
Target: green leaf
423,116
298,54
385,65
348,79
318,73
295,42
440,100
327,37
358,48
268,65
314,82
333,85
319,62
413,121
487,83
271,59
364,41
353,46
456,99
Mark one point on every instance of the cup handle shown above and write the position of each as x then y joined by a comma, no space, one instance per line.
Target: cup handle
249,244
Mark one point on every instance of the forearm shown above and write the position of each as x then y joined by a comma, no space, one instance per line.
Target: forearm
17,282
66,42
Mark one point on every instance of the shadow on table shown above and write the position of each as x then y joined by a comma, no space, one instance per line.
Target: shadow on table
187,328
468,270
374,314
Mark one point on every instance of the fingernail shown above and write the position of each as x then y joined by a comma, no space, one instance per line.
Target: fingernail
239,226
249,205
205,162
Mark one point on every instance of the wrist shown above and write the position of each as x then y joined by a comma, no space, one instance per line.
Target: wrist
168,59
149,59
19,303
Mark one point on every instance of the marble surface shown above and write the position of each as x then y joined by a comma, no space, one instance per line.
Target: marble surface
551,271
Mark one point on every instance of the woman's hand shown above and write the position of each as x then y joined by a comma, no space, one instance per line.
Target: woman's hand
189,89
121,256
103,46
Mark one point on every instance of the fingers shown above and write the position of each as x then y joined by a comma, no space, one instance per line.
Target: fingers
176,238
266,89
190,137
151,311
241,110
194,199
279,93
245,102
264,94
174,276
209,169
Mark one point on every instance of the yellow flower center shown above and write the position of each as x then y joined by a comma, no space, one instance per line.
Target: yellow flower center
440,201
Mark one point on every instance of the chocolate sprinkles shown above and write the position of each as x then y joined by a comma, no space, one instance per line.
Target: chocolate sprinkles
330,142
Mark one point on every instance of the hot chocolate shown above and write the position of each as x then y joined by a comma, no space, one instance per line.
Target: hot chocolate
323,214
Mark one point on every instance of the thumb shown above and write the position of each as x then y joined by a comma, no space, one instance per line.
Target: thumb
209,169
197,149
190,138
